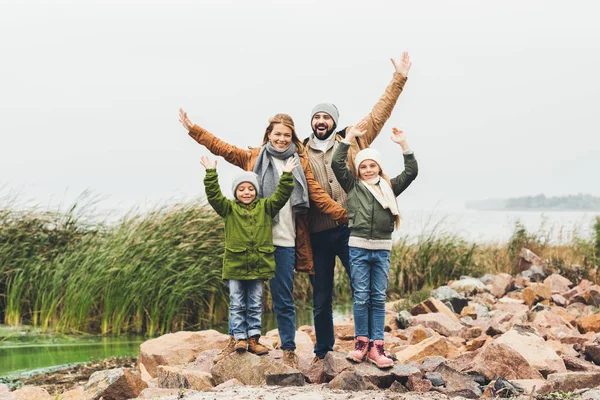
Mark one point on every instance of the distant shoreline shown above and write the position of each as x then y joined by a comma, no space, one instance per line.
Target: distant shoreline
579,202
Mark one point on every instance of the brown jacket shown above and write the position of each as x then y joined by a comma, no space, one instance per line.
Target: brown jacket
246,158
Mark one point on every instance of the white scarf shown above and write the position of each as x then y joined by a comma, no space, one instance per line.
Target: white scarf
385,196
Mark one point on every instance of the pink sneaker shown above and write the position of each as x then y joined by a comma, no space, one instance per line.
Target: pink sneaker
361,348
377,355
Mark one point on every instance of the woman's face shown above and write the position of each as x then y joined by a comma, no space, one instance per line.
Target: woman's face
280,137
368,169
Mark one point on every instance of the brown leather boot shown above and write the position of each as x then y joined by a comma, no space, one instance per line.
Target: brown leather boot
290,358
241,345
227,350
255,347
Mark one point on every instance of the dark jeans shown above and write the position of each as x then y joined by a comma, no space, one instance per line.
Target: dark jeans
326,245
282,289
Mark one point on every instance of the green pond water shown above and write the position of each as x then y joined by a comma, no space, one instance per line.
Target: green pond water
24,351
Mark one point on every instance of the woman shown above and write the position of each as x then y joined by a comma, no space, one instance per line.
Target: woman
291,236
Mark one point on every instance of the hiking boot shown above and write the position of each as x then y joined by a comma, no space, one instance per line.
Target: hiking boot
361,348
255,347
241,345
290,358
227,350
377,355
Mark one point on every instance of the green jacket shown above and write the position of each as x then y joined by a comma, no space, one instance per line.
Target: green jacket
366,217
248,234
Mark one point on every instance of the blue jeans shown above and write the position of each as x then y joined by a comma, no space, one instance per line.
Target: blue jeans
326,245
245,308
370,270
282,293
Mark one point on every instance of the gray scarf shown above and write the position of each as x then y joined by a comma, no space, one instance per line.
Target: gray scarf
268,177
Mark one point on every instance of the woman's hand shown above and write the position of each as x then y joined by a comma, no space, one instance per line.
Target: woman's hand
403,66
290,164
185,121
357,131
399,137
208,163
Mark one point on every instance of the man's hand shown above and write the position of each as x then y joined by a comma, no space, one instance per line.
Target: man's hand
357,131
399,137
290,164
403,66
185,121
208,163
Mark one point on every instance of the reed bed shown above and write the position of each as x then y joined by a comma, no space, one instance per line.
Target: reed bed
160,271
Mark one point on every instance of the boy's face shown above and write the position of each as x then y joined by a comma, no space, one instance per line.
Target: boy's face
368,169
245,192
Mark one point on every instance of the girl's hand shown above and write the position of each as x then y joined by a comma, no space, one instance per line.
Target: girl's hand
290,164
208,163
357,130
403,66
185,121
399,137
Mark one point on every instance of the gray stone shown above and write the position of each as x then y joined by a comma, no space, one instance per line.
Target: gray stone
248,368
397,387
403,319
429,364
287,379
451,298
348,380
435,379
535,274
456,381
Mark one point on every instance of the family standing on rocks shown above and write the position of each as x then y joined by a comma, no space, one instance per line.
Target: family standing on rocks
272,229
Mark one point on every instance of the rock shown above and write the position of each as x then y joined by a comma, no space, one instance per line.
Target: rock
451,298
592,296
540,307
344,331
383,378
498,285
397,387
464,362
315,371
533,348
504,388
286,379
74,394
4,388
419,385
559,300
468,286
593,352
228,384
528,258
334,364
204,361
558,284
179,377
536,293
456,381
498,359
575,364
439,322
178,348
529,386
434,346
30,393
418,333
114,384
403,319
469,311
433,305
248,368
591,323
534,274
593,394
477,343
155,393
435,379
348,380
570,381
429,364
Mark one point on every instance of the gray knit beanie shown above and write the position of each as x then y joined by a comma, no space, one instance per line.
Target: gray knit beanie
246,176
328,108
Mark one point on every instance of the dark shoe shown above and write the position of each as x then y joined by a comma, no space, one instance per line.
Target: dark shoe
255,347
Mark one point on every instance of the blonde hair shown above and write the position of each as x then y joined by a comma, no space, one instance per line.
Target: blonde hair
285,120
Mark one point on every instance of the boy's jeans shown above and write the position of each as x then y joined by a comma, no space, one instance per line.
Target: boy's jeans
245,308
369,273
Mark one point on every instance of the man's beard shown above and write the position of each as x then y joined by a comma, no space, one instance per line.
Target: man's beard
326,135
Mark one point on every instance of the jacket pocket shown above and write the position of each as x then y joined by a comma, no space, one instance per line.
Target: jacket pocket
236,258
266,261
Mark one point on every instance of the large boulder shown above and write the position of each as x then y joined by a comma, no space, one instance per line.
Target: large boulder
570,381
525,341
383,378
441,323
348,380
497,359
28,393
114,384
558,284
433,346
178,348
248,368
179,377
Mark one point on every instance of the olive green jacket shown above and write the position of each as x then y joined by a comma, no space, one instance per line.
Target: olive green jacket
248,233
366,217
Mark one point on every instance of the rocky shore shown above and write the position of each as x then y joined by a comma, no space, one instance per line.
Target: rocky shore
526,336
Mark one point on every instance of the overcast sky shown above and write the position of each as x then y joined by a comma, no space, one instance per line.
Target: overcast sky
502,100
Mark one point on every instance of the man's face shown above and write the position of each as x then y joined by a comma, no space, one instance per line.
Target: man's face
322,125
245,192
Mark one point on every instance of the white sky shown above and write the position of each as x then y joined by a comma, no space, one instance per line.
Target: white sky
502,99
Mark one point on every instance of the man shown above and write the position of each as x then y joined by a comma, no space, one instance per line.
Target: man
328,238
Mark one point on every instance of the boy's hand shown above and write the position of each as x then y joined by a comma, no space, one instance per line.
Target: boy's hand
357,130
399,137
403,66
185,121
290,164
208,163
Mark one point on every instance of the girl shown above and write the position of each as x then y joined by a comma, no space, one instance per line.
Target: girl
373,215
249,248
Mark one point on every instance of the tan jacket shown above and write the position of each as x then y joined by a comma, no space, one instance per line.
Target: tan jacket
321,161
246,158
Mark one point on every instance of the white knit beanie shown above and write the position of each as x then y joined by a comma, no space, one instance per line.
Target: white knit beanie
367,154
245,176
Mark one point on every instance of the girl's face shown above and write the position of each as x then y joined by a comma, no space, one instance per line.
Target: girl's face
280,137
245,192
368,169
